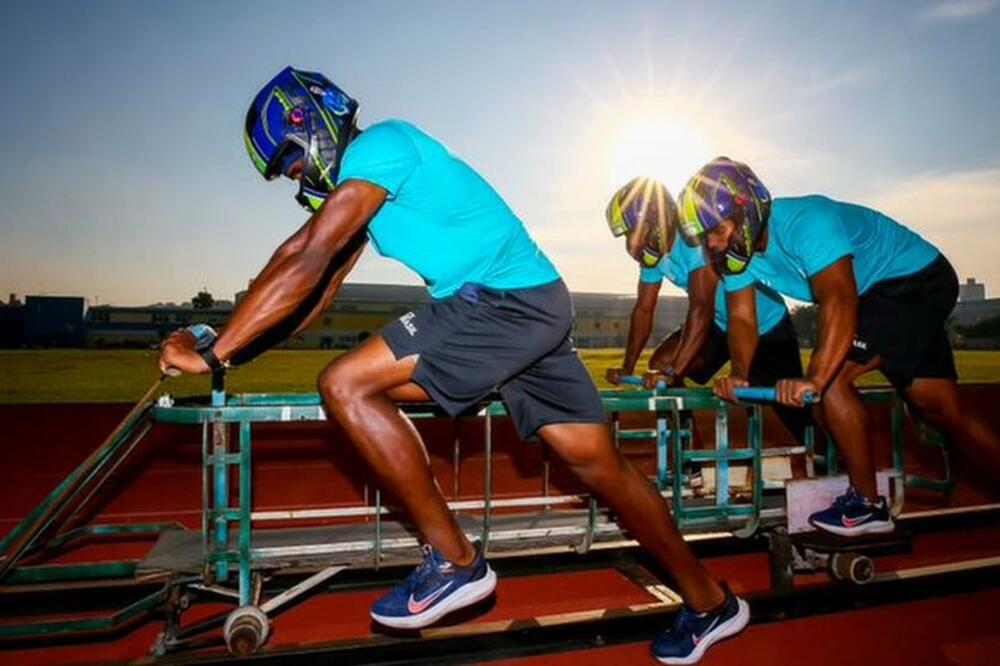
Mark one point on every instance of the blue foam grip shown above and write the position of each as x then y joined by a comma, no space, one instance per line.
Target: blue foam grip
635,380
767,394
204,336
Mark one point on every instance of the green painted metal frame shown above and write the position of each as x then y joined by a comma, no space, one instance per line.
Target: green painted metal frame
89,625
673,436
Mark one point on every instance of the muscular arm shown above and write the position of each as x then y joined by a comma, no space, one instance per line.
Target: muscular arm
351,253
743,335
837,296
701,310
300,264
641,324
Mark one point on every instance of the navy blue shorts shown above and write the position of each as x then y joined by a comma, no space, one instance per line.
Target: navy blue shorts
516,341
903,320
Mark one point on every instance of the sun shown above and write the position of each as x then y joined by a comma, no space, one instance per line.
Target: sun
667,148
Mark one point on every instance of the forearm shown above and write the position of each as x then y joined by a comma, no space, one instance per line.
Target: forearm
302,268
693,335
838,319
640,326
742,340
276,293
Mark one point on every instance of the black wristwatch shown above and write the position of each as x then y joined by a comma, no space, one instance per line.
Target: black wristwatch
208,355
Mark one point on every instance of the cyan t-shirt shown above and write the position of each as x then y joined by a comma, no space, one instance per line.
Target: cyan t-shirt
441,219
684,259
808,234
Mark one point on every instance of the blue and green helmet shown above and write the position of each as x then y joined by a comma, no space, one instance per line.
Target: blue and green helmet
723,190
301,114
643,206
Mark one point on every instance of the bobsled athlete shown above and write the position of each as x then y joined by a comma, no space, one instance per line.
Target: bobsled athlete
644,212
883,293
500,319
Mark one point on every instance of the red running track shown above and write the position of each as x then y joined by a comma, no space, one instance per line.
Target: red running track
960,630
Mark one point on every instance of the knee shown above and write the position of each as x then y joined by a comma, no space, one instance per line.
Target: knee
593,464
335,386
841,401
937,409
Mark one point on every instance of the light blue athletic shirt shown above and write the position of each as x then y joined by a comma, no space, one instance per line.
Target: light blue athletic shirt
683,260
807,234
441,219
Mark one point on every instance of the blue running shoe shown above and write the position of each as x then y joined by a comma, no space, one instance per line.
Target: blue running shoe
853,514
693,633
434,589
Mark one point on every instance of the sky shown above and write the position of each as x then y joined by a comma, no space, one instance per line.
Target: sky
124,179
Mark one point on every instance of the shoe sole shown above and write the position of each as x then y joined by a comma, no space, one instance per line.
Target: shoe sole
730,627
468,594
874,527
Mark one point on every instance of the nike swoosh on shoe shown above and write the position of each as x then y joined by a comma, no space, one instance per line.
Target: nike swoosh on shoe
414,606
698,639
854,522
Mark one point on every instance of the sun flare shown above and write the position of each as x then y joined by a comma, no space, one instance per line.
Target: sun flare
667,148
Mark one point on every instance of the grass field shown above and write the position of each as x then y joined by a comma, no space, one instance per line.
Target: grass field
37,376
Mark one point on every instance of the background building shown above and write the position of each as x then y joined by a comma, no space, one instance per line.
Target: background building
971,291
53,321
973,307
602,320
114,326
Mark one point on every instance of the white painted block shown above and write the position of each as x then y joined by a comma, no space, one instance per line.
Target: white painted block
807,496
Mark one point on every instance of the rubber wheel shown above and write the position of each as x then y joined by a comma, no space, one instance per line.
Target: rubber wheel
859,569
246,629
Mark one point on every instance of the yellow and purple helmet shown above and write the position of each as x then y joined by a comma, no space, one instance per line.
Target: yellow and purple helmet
301,114
722,190
643,205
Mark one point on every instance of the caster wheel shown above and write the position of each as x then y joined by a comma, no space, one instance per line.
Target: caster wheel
246,629
859,569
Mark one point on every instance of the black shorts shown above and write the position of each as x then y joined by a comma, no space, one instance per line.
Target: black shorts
903,321
777,356
517,341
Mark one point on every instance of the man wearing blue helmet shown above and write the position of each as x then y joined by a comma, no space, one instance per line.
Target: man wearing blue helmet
646,215
500,319
884,294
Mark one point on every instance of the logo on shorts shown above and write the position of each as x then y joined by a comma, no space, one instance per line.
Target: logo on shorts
860,344
407,322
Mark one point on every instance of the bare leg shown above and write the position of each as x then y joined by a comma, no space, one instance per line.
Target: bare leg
588,449
937,401
844,415
359,389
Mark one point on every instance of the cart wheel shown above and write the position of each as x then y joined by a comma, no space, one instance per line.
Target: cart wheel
246,629
859,569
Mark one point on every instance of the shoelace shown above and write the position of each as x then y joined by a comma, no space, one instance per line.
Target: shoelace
845,499
427,568
683,621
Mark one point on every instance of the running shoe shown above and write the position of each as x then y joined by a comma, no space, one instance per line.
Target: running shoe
434,589
853,514
693,633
